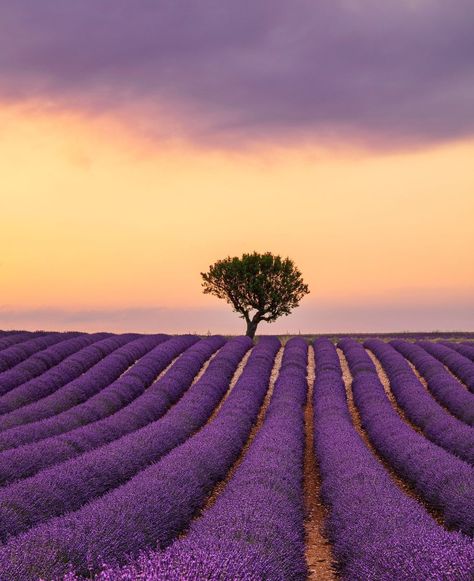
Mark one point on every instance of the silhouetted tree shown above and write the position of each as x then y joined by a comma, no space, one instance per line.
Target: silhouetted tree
260,287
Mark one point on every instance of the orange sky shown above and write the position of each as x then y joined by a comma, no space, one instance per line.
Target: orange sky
96,218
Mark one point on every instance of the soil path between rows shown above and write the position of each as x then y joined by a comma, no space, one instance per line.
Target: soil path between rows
319,555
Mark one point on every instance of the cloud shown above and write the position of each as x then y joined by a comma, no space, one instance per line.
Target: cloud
388,73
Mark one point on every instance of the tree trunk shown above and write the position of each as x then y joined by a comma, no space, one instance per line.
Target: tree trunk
251,328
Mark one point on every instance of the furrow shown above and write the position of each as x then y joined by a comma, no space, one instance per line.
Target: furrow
319,555
384,380
347,378
253,432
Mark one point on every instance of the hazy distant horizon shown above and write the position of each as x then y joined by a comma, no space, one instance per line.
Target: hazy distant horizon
305,320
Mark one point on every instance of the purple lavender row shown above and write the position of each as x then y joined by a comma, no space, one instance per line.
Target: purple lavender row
462,348
13,380
157,504
120,353
71,484
378,533
26,430
85,424
442,479
16,337
444,387
21,351
255,530
437,424
461,366
25,425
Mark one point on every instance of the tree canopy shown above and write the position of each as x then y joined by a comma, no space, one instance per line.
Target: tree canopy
260,287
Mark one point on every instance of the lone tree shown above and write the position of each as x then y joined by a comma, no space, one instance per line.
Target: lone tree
260,287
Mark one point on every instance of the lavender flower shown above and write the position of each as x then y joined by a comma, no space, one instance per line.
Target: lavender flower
461,366
17,353
442,479
377,531
255,529
420,408
444,387
121,354
154,506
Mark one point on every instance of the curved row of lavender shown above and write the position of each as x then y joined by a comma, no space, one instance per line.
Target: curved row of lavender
255,529
461,366
442,479
11,338
154,506
129,385
420,408
467,349
71,484
444,387
378,533
13,381
58,376
26,427
122,407
121,354
16,354
462,348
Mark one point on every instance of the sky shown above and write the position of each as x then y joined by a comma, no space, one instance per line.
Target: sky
141,141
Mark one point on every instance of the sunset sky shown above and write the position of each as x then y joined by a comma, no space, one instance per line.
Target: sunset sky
142,140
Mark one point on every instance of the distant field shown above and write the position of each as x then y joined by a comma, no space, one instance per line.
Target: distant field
130,456
408,336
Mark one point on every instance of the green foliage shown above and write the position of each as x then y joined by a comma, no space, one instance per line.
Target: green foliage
260,287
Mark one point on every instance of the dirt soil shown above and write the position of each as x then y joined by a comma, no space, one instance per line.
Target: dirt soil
318,549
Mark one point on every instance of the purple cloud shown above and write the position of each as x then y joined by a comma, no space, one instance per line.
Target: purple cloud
392,72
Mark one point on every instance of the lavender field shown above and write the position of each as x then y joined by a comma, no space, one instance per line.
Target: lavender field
159,457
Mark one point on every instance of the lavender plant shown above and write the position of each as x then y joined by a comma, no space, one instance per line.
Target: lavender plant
17,353
154,506
38,365
85,428
69,485
10,338
420,408
255,529
463,348
461,366
378,533
445,388
442,479
107,370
